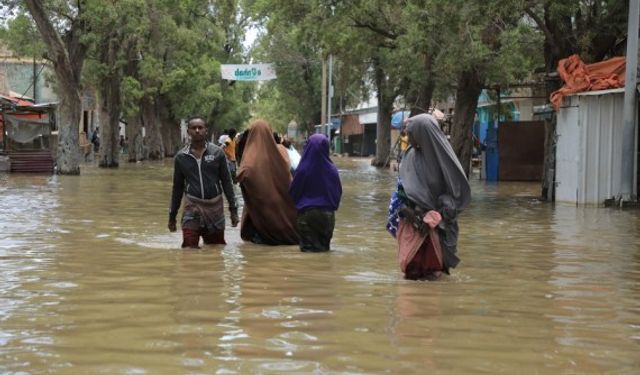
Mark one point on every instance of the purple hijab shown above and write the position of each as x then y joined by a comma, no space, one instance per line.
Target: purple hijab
316,182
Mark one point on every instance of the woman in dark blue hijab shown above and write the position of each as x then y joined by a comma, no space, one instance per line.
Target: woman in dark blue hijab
316,191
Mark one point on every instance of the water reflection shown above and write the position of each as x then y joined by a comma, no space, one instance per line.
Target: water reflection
92,282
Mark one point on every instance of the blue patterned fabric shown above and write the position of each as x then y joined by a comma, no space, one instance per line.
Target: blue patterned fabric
393,219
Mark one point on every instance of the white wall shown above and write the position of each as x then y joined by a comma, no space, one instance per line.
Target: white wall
589,150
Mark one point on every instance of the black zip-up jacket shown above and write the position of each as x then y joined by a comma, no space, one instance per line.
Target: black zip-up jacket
206,182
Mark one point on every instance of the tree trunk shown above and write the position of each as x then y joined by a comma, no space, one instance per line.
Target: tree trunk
547,192
467,93
151,122
383,132
133,129
420,101
110,108
170,136
67,63
109,154
557,46
139,145
68,115
385,110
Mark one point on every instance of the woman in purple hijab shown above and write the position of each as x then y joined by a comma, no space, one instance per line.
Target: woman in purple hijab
316,191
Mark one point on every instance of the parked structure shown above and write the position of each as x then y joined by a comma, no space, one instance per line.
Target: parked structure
589,149
26,135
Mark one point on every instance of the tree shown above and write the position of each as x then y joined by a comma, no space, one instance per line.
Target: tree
22,37
115,28
151,61
399,46
479,51
366,37
292,43
182,64
372,30
423,43
67,52
173,72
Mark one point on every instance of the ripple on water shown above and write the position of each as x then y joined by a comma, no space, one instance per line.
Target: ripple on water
372,277
290,312
297,366
162,241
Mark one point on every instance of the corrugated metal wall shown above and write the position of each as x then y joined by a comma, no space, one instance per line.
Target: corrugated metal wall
589,149
601,140
567,153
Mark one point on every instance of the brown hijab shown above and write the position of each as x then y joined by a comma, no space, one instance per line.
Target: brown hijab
264,178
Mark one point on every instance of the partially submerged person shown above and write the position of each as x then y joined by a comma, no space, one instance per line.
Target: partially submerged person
269,215
316,191
294,155
432,191
241,141
201,175
404,144
223,137
229,148
281,149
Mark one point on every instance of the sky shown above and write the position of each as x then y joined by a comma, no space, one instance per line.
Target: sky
250,36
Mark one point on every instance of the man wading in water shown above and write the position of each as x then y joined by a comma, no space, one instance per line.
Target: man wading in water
201,175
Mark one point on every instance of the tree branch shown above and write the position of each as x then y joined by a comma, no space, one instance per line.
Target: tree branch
549,36
375,28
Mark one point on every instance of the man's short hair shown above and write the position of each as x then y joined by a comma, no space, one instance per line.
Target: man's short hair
196,118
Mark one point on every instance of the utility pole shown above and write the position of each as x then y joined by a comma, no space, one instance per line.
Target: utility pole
323,108
329,96
330,88
630,103
35,81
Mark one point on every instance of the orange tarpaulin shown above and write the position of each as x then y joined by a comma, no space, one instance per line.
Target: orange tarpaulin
580,77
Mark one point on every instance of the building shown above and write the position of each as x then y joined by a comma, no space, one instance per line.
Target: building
28,82
589,149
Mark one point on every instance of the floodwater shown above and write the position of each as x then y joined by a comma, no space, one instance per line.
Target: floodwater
91,282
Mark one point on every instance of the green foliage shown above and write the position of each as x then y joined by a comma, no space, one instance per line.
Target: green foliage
517,56
271,107
595,30
22,37
167,49
291,44
131,90
173,49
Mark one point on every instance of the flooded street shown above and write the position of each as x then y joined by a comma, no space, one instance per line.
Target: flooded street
91,281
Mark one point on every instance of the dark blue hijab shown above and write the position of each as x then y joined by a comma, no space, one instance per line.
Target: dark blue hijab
316,182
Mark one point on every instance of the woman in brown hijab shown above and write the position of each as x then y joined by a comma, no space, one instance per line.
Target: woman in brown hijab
269,215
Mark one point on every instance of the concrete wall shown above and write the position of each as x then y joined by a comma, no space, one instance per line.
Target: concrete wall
20,76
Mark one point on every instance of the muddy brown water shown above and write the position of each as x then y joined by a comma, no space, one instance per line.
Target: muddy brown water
92,282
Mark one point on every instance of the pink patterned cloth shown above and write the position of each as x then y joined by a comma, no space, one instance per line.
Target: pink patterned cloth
411,241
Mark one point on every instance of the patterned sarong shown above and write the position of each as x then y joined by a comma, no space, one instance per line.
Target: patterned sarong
206,215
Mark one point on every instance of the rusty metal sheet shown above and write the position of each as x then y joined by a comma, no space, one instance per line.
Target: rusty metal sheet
521,146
